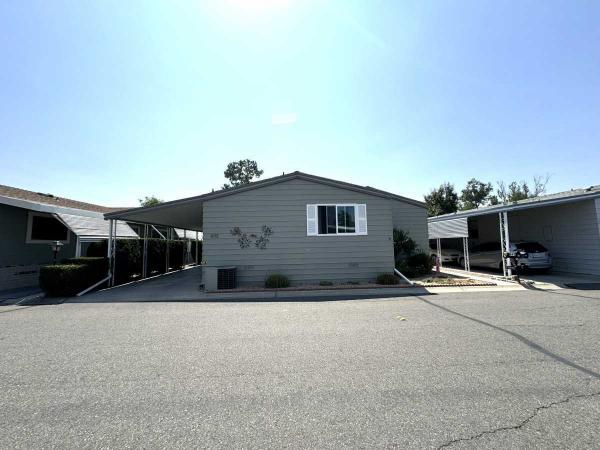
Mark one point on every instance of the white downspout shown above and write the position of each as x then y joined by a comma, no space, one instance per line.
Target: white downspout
401,275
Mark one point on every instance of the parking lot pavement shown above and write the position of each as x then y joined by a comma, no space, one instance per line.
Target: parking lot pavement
478,370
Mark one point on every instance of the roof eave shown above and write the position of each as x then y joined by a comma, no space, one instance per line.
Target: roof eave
515,207
263,183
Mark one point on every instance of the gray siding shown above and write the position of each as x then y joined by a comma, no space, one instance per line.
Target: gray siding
13,249
413,219
290,251
569,231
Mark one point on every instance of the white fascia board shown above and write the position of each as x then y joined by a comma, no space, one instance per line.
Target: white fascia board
50,209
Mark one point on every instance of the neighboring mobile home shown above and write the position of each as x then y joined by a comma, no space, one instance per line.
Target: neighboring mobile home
306,227
31,221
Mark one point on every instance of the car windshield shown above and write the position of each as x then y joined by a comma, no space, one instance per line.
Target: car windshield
531,247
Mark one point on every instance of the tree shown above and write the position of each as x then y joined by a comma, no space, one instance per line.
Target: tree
475,194
515,191
149,201
241,172
443,200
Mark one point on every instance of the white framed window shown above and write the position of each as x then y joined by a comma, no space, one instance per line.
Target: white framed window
45,229
336,219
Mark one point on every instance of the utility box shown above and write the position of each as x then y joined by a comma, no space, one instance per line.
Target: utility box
217,278
226,277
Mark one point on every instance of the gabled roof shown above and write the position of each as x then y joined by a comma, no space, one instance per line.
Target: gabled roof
574,195
177,213
274,180
52,200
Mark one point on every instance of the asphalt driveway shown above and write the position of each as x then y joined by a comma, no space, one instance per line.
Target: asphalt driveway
477,370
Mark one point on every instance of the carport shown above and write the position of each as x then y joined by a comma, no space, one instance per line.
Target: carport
181,218
459,228
567,223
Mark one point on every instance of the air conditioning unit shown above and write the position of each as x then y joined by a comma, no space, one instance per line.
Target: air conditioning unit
226,278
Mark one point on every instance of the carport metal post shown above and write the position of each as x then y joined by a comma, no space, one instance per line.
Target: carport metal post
167,250
112,245
507,244
109,249
145,257
504,242
196,248
439,251
184,248
466,254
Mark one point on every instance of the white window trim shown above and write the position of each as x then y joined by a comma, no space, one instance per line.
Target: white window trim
29,240
355,205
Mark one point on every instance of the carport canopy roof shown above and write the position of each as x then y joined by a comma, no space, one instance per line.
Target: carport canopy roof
574,195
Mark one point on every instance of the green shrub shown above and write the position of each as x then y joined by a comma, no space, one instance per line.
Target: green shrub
97,266
72,276
65,280
416,265
276,281
404,245
325,283
386,278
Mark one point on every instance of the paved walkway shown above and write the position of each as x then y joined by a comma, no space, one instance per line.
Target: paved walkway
552,280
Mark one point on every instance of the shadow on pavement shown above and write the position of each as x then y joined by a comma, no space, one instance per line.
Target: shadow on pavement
521,338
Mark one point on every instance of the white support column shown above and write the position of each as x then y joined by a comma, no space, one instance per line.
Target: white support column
196,248
78,248
145,257
114,253
109,250
507,244
184,249
439,251
466,254
167,250
501,227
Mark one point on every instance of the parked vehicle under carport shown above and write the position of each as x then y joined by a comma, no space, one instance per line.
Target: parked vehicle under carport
526,256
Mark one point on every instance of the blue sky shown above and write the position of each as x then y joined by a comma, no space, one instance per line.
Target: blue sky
110,101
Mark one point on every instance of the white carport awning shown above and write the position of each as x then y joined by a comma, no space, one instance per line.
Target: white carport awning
94,227
451,228
186,234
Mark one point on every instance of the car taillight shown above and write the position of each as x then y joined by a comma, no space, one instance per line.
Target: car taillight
523,255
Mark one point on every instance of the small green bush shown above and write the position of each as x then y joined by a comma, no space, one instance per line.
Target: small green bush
386,278
325,283
276,281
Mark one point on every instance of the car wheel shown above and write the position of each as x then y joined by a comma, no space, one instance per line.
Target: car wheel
461,262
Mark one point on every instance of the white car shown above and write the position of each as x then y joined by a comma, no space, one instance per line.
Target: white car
448,255
528,255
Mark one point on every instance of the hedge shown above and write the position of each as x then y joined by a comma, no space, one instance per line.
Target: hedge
76,275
